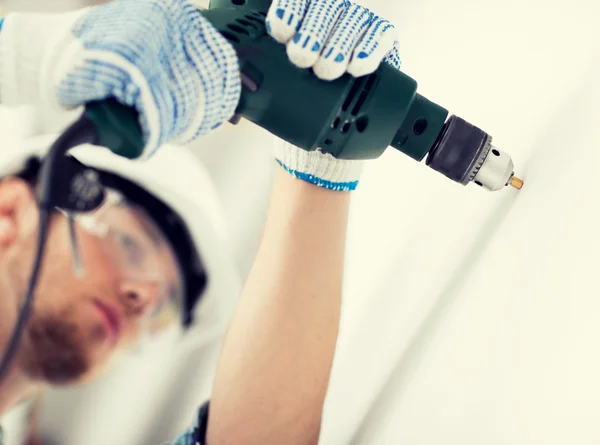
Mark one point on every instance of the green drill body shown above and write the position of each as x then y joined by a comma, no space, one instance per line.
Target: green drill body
350,118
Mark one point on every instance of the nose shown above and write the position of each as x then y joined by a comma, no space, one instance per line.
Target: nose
138,298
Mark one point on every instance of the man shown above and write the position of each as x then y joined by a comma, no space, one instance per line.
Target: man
78,324
92,55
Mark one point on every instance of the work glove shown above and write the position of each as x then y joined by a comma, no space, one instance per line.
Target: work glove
159,56
333,37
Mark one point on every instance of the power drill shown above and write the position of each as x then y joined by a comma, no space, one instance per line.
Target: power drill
350,118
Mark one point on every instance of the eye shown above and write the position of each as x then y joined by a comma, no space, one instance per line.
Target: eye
132,248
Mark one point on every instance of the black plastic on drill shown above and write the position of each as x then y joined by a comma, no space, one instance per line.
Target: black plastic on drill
117,126
349,116
420,129
457,150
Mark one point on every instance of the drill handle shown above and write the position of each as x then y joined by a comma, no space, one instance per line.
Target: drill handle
117,127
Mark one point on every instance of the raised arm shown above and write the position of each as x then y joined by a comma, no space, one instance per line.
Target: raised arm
275,366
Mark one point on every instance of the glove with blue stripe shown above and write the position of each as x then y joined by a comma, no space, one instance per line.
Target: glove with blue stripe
160,56
333,37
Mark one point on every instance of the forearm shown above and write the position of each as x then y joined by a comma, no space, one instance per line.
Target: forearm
275,366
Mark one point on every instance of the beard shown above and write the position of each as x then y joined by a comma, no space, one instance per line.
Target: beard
54,347
54,350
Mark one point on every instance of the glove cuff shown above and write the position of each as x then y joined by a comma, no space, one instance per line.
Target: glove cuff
318,168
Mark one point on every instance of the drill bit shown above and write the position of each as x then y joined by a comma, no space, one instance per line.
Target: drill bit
516,183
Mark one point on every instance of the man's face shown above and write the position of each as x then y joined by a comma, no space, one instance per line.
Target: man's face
77,323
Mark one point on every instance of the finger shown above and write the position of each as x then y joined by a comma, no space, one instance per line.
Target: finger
306,47
284,18
393,57
337,53
378,41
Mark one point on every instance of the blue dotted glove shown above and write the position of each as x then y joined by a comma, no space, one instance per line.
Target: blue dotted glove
160,56
333,37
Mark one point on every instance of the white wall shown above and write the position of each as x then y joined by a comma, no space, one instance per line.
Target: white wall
472,318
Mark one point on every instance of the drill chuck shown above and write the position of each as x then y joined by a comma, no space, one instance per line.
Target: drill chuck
496,172
464,153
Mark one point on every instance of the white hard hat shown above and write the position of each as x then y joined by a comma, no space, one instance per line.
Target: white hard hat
175,177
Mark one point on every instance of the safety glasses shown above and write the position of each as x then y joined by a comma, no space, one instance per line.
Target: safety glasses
137,251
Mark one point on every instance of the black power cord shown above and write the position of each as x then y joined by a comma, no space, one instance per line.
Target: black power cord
50,187
26,307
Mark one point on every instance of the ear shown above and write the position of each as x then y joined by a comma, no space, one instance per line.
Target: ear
18,210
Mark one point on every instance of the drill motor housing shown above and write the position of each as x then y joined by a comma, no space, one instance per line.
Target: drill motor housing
349,118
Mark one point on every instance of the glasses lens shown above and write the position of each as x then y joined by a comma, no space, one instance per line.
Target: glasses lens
143,256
